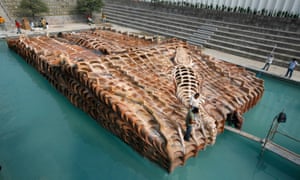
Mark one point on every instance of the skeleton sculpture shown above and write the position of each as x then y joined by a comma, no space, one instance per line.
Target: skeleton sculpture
187,84
130,91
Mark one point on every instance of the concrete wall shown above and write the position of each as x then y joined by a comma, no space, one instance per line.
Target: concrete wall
66,9
56,7
64,19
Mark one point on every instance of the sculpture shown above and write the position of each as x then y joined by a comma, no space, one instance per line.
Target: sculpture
140,93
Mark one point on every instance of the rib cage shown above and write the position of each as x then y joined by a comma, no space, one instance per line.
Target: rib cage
186,83
132,93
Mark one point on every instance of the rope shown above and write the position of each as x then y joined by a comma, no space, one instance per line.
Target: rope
282,133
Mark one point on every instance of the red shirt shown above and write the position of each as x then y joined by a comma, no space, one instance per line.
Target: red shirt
18,24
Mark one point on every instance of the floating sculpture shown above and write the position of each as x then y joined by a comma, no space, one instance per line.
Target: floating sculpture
141,93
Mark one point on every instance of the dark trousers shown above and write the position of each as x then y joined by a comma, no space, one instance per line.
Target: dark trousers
19,31
188,132
266,67
289,73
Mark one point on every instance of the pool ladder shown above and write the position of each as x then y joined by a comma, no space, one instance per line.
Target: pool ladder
268,144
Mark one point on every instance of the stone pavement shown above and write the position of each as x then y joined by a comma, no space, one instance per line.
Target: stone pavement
248,63
11,32
252,64
59,28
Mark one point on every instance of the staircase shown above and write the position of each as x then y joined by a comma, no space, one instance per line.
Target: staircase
9,24
242,40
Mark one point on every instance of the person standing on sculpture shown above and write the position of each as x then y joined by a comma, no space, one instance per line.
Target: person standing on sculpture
291,67
190,120
195,101
269,61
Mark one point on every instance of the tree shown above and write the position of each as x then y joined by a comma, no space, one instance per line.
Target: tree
33,7
89,6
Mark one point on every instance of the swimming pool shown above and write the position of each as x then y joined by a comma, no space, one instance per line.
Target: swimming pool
43,136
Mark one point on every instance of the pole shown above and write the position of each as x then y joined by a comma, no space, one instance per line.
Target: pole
270,134
275,46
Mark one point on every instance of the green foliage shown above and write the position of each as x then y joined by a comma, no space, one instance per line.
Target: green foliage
89,6
32,7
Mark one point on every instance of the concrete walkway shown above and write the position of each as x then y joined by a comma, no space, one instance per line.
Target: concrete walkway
52,28
252,64
60,28
249,63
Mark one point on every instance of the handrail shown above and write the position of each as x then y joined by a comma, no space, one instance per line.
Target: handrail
268,144
5,11
286,135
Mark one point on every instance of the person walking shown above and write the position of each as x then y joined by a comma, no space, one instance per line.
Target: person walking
269,61
190,120
291,67
18,25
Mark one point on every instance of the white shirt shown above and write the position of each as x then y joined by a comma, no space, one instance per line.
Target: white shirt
195,102
270,59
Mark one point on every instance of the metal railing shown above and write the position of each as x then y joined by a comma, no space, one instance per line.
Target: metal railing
268,143
9,21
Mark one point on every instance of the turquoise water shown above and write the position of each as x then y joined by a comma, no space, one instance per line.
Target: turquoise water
43,136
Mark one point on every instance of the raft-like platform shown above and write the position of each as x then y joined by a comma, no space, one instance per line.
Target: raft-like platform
139,89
